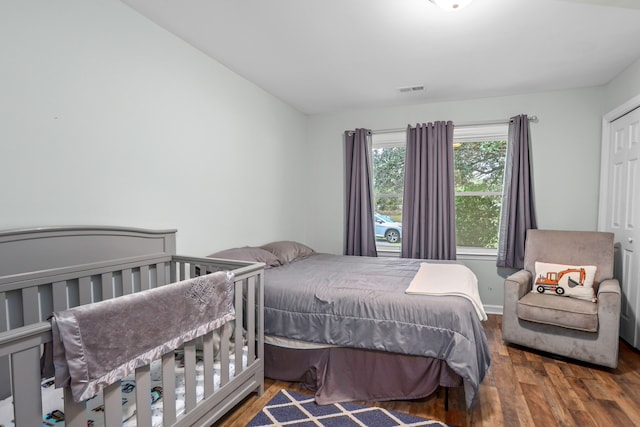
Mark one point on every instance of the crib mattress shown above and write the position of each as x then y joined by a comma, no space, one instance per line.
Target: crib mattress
52,400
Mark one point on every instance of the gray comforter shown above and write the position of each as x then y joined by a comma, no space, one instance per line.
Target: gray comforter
361,302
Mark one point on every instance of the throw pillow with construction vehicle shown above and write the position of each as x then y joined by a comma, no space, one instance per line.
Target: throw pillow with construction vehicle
574,281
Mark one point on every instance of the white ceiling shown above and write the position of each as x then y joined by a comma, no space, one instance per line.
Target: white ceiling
330,55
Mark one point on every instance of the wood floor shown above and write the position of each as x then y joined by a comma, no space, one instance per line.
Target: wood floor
522,388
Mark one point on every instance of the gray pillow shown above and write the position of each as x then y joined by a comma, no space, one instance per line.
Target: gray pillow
287,251
249,253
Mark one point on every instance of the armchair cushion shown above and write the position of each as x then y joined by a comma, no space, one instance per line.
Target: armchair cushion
564,312
574,281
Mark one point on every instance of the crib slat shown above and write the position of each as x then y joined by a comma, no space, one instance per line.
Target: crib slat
5,384
173,272
30,305
144,277
73,411
238,329
59,290
143,393
183,271
84,289
107,286
259,326
160,275
189,376
112,398
168,389
251,315
26,392
207,360
4,325
127,281
224,355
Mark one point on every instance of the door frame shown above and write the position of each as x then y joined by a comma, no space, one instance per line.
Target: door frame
605,148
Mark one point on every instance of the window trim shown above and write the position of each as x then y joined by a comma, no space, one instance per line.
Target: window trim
479,133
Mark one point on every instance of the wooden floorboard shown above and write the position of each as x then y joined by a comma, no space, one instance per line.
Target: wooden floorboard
522,388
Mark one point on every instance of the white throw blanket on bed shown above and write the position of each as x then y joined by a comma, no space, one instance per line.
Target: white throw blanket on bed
447,279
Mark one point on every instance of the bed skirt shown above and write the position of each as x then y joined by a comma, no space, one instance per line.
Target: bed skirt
340,374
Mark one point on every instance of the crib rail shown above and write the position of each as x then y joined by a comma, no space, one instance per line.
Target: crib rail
25,333
32,297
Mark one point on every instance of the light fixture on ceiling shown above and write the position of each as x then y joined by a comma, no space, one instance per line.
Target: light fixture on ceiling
451,4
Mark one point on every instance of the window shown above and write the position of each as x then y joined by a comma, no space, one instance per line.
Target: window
479,160
388,184
479,155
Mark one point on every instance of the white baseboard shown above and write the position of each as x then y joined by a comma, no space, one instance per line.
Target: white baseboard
493,309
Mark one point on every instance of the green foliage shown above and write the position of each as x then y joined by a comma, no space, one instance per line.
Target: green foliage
477,220
479,166
388,179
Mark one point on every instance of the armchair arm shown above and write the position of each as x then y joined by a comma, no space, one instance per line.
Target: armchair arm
515,287
609,299
609,303
518,284
609,286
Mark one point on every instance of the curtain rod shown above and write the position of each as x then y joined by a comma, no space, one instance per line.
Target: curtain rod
533,119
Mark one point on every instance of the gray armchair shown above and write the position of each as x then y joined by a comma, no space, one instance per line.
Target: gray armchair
570,327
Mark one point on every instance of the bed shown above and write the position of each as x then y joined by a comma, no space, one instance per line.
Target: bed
203,371
346,327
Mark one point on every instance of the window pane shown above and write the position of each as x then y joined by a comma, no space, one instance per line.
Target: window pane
479,166
477,221
388,185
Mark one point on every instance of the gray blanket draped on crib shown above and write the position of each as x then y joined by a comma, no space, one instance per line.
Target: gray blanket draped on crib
98,344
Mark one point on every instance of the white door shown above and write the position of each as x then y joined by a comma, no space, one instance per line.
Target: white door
623,217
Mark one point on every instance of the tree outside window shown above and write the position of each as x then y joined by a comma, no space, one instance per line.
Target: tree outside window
388,167
478,176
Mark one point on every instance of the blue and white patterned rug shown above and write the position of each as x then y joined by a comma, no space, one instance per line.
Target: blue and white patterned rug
288,408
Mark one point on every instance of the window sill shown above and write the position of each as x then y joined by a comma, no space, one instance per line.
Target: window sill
386,252
461,253
464,252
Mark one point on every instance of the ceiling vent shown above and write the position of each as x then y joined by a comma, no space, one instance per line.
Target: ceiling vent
411,89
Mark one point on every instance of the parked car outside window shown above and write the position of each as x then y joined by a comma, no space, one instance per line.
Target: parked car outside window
387,229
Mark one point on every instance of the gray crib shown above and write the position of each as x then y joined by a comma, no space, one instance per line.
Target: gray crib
52,269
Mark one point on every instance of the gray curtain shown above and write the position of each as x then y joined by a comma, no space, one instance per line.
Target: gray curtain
428,212
360,238
518,210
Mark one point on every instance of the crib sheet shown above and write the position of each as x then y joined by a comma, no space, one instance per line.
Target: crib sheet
52,400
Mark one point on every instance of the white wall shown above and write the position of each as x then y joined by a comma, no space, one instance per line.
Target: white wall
105,118
565,149
624,87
